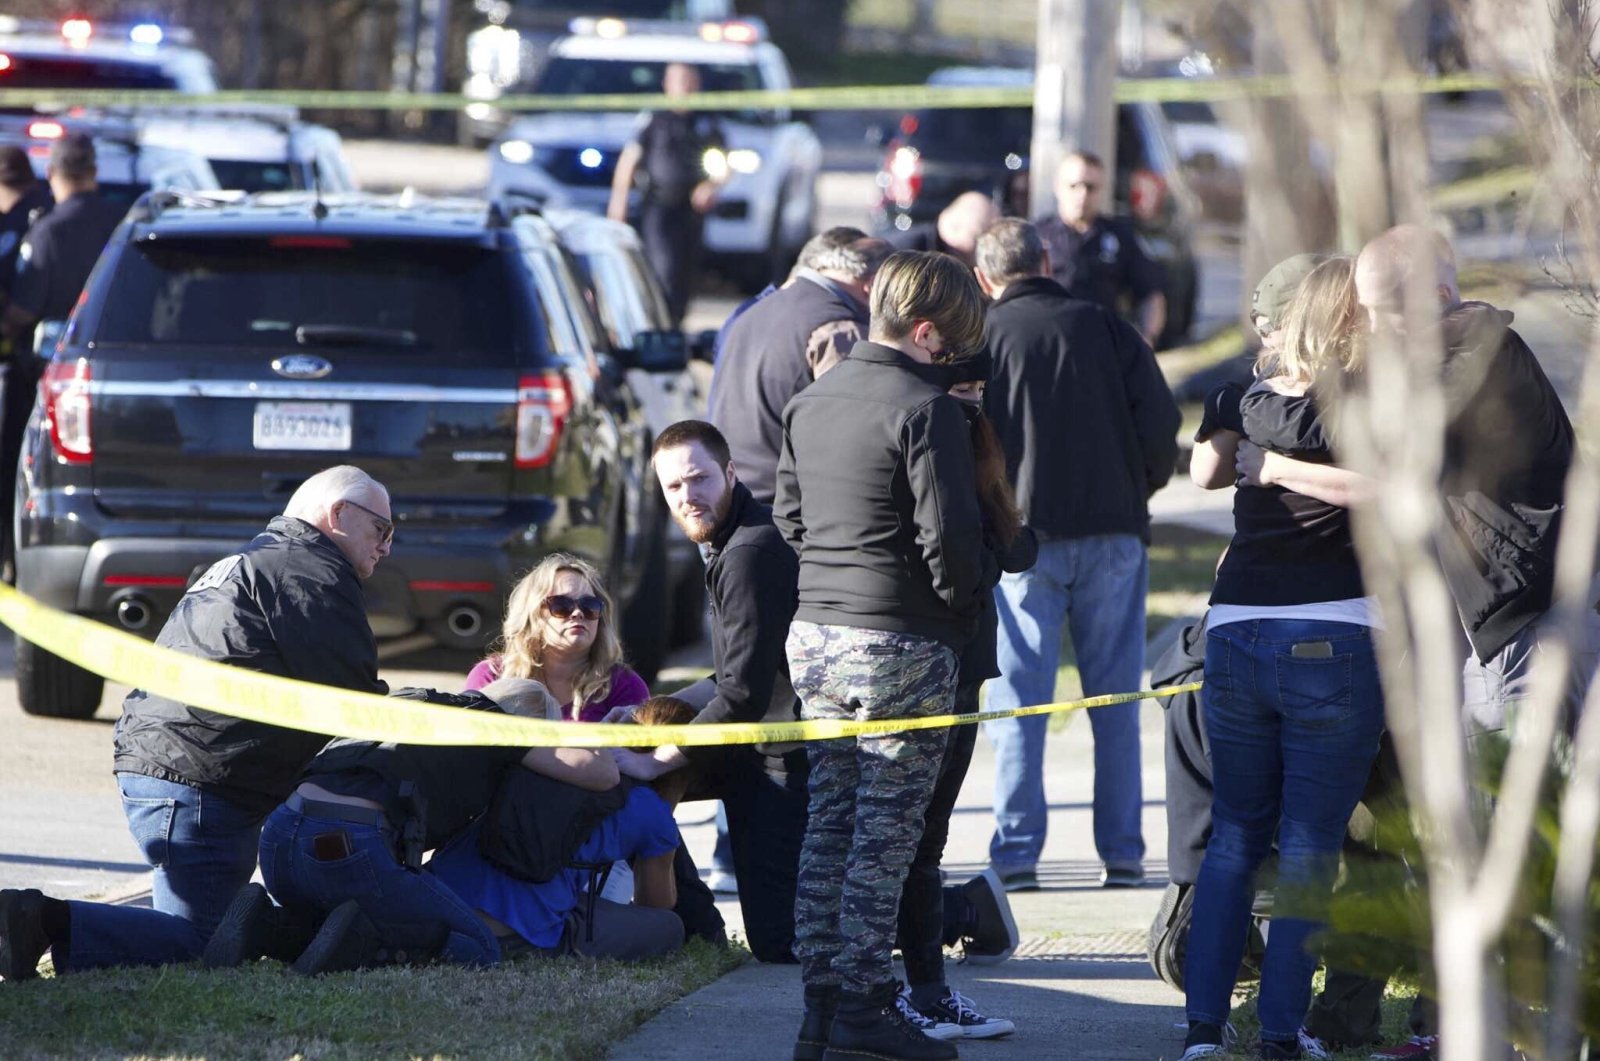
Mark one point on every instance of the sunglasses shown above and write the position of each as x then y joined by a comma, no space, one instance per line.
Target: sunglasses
564,607
385,526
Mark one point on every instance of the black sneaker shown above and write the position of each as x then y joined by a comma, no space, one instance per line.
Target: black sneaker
957,1009
930,1026
871,1027
1122,875
991,935
1206,1040
240,935
22,936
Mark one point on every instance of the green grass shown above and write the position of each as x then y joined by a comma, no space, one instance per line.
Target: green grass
1396,1007
556,1009
1183,564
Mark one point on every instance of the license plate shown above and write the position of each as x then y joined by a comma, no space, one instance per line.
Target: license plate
302,425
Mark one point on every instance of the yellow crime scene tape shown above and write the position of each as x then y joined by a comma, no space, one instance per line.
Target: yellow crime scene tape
837,97
258,697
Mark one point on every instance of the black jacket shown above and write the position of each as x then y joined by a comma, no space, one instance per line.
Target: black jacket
751,581
980,661
877,494
450,784
765,362
1508,446
290,604
1089,427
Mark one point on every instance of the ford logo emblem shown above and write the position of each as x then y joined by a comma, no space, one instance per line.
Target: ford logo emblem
302,366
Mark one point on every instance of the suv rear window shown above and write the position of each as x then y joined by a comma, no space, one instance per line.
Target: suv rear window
454,301
566,76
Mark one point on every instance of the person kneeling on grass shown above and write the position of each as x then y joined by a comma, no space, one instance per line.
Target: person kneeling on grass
347,844
534,910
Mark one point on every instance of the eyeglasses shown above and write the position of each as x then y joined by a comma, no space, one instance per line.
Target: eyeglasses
563,607
385,526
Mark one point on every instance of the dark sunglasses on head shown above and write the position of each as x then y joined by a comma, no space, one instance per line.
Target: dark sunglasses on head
562,607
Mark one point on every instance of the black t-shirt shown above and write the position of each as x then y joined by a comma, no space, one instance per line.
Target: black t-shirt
1105,264
59,252
674,147
453,784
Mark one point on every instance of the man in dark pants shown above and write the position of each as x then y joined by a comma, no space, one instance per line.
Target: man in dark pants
751,576
877,493
671,148
24,199
196,785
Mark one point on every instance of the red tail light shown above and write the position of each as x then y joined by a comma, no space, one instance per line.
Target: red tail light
544,400
1147,194
903,167
64,390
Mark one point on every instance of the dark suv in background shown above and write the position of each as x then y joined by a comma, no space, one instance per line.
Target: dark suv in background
225,349
934,155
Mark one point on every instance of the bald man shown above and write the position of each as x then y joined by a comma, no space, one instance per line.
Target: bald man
955,231
1097,257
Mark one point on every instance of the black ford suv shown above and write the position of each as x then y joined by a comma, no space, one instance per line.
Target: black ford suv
225,349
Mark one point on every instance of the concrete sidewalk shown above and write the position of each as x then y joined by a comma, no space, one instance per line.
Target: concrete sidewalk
1079,987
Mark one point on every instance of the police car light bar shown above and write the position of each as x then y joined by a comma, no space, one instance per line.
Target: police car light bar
737,31
79,30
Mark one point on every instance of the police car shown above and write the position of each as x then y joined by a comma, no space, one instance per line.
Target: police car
765,210
127,167
258,148
82,53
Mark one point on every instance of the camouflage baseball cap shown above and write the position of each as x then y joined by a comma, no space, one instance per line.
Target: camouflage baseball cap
1277,288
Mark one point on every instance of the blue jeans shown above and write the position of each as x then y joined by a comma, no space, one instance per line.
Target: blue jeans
410,908
1294,711
203,850
1096,587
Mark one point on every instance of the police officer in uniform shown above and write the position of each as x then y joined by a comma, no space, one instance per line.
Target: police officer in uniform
23,200
53,263
1099,258
671,148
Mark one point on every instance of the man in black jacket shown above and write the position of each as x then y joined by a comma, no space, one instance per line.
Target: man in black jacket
782,343
1090,432
751,574
195,784
877,493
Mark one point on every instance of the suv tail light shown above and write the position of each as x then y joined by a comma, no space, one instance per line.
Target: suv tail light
904,168
64,390
544,401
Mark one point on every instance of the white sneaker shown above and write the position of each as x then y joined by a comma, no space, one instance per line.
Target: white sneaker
958,1009
933,1029
721,882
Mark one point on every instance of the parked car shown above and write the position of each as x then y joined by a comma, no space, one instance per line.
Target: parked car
126,167
936,154
638,329
254,148
85,53
227,347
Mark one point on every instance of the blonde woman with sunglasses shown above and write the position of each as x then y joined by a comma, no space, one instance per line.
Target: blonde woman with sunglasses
560,629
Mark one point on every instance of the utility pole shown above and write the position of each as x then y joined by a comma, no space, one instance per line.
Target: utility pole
1074,91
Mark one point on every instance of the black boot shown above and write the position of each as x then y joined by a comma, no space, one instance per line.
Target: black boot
254,928
23,939
821,1004
871,1027
349,940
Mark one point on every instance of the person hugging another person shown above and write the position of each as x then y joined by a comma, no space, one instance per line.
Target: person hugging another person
560,629
563,913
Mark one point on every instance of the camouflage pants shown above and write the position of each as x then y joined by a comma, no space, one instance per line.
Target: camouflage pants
869,794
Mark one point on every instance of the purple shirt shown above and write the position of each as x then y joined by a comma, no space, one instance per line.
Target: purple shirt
627,689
